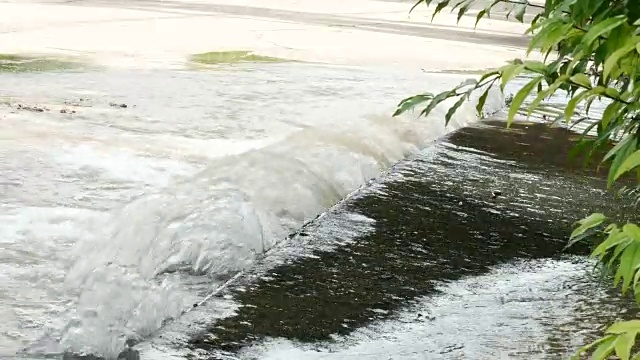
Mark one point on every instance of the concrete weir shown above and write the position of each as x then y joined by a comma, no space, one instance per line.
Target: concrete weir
150,149
483,199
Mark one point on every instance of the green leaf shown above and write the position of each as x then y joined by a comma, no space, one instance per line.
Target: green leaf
620,241
621,153
629,163
636,282
610,113
481,101
582,80
589,346
620,146
615,238
467,82
623,345
452,110
536,66
613,59
441,5
587,223
602,28
520,10
487,75
573,103
426,2
604,349
436,100
463,10
550,34
508,72
624,327
628,262
544,94
520,96
481,13
632,230
411,102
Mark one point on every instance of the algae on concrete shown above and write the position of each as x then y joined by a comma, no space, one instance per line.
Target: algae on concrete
24,63
230,57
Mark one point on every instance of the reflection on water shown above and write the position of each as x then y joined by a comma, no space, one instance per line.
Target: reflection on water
117,218
435,224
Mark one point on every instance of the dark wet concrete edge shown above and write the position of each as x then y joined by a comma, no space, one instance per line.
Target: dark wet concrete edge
433,225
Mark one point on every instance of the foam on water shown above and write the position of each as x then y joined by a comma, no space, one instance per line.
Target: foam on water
175,212
528,309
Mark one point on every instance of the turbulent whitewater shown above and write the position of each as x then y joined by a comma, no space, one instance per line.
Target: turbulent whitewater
116,219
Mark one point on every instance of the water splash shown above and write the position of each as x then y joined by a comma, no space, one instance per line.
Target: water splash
180,236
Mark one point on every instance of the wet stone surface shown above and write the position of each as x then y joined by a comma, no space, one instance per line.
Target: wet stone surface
483,197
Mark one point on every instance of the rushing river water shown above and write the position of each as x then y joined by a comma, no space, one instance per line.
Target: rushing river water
115,219
437,268
133,196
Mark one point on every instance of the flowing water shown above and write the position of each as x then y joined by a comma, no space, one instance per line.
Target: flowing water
434,267
126,197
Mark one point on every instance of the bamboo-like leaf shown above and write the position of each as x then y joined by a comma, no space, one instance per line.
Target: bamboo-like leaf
610,113
452,110
551,32
426,2
587,223
632,230
615,238
481,101
604,349
624,343
579,352
441,5
632,161
487,75
621,154
613,59
480,15
520,10
536,66
436,100
463,10
518,99
508,72
411,102
622,243
582,80
628,261
544,94
636,282
602,28
467,82
624,327
573,103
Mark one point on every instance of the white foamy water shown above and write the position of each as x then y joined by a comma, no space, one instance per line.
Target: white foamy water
534,309
114,220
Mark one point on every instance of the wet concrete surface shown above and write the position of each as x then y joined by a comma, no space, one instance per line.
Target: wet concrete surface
484,196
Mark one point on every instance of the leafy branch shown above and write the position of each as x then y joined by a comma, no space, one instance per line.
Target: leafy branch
591,52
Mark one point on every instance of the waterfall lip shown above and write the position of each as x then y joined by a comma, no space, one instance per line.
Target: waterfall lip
329,148
282,250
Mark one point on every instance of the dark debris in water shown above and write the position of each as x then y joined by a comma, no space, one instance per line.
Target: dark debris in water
116,105
484,197
34,108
